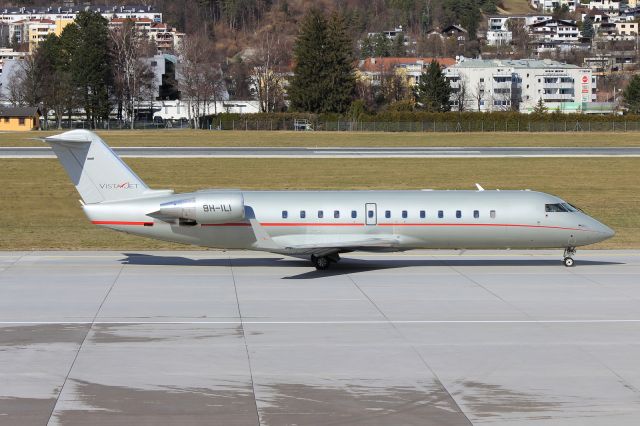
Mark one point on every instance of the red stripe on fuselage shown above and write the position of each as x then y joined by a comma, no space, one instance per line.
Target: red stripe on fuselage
308,224
302,224
517,225
120,222
226,224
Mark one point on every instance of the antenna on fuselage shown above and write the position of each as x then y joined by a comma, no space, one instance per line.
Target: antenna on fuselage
480,188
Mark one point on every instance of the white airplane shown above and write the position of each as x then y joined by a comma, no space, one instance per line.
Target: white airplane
319,224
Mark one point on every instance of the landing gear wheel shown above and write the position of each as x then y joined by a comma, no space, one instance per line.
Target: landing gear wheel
569,252
320,262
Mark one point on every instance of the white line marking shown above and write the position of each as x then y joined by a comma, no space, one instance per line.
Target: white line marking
361,156
371,322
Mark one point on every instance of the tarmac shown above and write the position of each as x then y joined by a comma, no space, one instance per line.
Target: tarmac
352,152
245,338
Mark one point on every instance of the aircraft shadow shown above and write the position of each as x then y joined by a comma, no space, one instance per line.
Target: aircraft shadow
150,259
345,266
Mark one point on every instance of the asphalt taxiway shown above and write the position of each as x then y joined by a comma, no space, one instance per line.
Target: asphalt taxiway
338,152
242,338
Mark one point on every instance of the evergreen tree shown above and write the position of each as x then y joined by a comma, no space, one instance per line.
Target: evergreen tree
381,45
324,79
340,71
308,85
540,107
366,48
433,91
631,95
587,28
55,84
91,65
399,49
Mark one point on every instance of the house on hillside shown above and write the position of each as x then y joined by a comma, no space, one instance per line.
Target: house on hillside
374,70
19,118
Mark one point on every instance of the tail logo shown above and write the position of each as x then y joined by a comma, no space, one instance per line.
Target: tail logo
116,186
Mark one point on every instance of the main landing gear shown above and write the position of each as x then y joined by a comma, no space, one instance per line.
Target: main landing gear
323,262
569,252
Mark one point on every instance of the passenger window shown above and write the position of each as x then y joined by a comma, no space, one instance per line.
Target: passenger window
284,214
336,214
387,214
404,214
303,214
440,214
492,214
354,214
423,214
458,214
476,214
320,214
370,213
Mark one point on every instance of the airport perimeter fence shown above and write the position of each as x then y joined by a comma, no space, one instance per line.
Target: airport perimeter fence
364,126
427,126
117,124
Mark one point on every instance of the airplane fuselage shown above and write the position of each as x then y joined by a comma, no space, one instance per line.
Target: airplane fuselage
403,219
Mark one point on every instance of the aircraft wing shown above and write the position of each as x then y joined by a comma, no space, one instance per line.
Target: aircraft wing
327,244
321,244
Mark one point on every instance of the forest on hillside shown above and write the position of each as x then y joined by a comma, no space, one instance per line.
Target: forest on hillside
235,25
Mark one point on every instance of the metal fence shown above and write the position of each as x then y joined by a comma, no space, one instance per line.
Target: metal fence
364,126
116,124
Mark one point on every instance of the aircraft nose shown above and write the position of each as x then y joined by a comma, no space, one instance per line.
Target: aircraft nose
603,231
606,231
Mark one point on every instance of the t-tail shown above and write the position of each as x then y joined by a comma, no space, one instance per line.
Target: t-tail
97,172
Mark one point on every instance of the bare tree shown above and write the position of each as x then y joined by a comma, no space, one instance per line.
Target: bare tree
198,69
394,86
132,75
265,69
25,86
460,95
479,94
520,36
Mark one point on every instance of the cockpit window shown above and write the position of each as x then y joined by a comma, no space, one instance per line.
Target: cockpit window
572,208
560,207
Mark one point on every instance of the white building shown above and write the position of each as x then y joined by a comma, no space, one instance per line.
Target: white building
498,26
390,34
499,38
65,13
549,5
607,5
166,38
501,85
555,30
181,110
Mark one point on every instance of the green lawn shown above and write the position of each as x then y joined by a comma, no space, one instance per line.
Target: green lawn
333,139
40,208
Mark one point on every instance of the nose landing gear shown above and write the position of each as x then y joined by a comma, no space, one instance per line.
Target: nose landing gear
569,252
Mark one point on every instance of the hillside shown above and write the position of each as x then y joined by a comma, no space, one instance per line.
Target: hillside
234,25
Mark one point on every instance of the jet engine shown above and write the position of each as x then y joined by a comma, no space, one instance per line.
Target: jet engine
207,207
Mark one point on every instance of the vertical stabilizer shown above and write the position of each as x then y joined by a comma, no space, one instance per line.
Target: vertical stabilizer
96,171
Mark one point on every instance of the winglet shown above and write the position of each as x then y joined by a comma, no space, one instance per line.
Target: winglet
479,187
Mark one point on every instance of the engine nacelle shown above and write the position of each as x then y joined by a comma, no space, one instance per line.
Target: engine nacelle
207,207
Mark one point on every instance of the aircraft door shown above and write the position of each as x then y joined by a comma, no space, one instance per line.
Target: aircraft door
370,214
